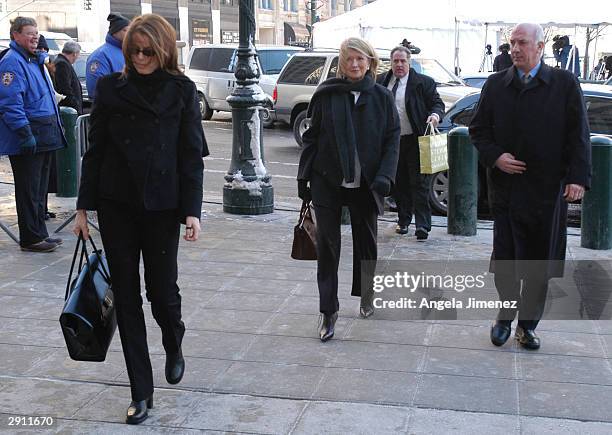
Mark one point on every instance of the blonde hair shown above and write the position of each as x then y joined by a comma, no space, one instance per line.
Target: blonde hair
162,37
364,48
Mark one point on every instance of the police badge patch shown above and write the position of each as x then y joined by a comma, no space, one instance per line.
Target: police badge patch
7,78
94,67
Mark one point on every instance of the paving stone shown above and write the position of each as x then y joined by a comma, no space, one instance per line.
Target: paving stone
484,363
290,350
32,332
566,400
378,356
227,300
79,427
466,337
27,307
23,396
18,359
371,386
228,320
277,380
247,285
234,413
467,393
353,418
383,331
559,426
554,368
434,421
299,325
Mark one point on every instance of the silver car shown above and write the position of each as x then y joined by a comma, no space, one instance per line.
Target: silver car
212,69
304,71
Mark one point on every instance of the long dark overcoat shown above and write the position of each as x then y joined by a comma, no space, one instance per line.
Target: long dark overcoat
145,154
544,124
376,126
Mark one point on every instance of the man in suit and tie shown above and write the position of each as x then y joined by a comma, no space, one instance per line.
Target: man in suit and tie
418,104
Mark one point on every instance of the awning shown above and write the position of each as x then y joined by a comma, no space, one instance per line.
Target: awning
296,34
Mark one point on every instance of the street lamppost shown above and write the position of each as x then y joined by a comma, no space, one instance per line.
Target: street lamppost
247,188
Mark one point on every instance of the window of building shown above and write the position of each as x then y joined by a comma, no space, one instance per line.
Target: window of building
266,4
347,5
285,5
294,5
334,7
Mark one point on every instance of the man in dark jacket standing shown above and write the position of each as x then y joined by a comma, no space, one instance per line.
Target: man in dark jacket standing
418,104
66,80
502,60
532,133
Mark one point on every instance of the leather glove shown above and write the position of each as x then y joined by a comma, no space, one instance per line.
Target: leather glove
304,191
381,185
28,147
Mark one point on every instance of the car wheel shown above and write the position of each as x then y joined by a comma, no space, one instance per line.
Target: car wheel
300,125
206,111
266,119
438,192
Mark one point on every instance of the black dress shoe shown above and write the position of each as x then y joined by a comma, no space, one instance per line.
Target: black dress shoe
366,311
500,332
175,367
527,338
55,240
327,326
138,412
401,229
42,246
421,234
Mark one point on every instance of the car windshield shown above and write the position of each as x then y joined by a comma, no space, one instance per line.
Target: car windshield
273,61
56,44
79,65
429,67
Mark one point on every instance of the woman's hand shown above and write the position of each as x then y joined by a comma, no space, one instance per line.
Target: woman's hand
80,224
192,228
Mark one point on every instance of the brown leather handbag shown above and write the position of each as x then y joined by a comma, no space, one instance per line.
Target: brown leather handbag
305,235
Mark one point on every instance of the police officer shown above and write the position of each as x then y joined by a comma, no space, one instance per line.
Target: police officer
30,130
108,58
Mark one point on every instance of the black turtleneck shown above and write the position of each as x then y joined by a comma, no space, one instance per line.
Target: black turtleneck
149,85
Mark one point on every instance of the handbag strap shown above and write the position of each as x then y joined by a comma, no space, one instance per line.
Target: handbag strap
304,212
104,271
76,250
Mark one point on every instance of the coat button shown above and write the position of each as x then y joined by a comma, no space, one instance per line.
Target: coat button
132,117
163,146
157,120
149,149
163,172
127,141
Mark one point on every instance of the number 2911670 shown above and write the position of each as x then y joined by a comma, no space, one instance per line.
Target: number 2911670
28,420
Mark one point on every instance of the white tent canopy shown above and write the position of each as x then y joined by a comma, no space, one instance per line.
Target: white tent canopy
445,26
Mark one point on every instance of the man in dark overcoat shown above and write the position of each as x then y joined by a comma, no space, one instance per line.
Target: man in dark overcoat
66,80
418,104
532,133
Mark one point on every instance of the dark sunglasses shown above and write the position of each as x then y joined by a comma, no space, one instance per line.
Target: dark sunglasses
148,52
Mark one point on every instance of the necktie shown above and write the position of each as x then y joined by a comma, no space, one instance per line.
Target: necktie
395,86
526,78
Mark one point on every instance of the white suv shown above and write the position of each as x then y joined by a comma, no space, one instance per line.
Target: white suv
212,68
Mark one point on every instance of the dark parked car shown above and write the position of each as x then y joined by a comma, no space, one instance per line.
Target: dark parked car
598,99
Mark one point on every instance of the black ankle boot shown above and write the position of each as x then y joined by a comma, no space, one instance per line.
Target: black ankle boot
175,367
137,412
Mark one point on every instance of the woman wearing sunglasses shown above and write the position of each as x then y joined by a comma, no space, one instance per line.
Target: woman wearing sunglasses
143,175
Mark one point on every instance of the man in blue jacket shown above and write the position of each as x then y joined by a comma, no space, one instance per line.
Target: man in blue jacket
30,130
108,58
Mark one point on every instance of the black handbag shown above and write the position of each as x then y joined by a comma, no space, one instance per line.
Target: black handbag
305,235
88,319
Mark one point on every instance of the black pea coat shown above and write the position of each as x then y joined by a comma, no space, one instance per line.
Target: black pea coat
421,98
376,126
67,83
145,154
544,124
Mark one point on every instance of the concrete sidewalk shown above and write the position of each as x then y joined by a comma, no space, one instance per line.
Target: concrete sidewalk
255,364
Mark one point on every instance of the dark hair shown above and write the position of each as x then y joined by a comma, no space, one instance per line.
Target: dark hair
162,37
19,23
401,48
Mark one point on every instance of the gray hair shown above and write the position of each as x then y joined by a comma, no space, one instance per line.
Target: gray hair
19,23
400,48
71,47
538,31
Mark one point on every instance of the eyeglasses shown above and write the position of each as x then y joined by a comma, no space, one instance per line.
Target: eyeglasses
148,52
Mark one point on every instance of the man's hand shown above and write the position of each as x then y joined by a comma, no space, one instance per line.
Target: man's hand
304,191
192,229
433,119
28,147
508,164
381,185
80,224
573,192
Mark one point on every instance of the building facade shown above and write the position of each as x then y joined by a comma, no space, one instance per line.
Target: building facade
197,22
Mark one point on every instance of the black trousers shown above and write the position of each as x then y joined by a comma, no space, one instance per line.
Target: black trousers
411,191
364,230
31,175
520,246
127,232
